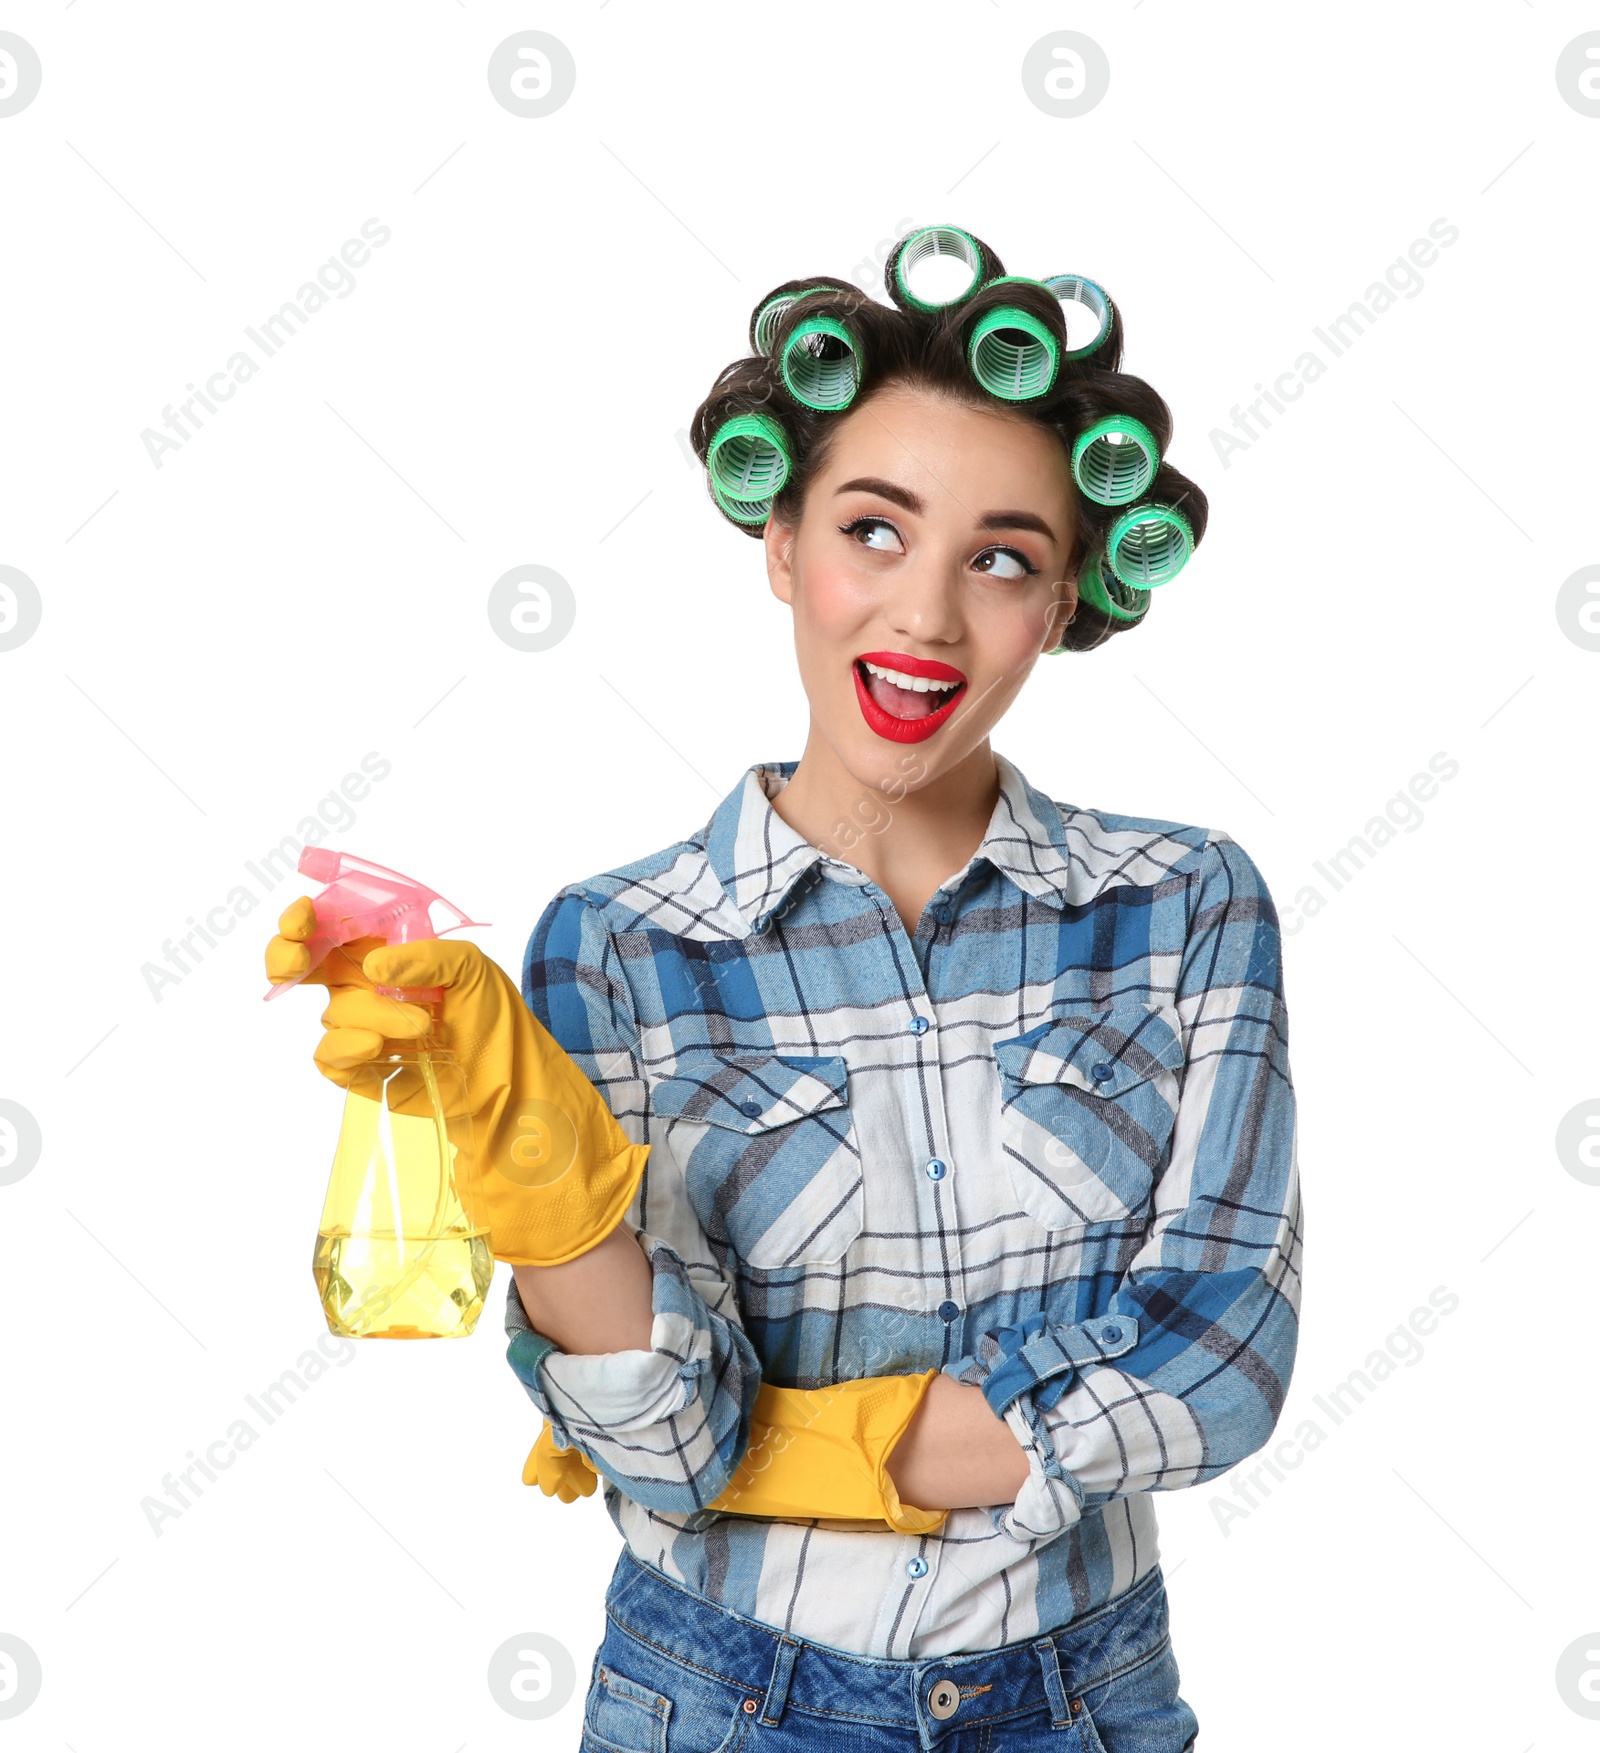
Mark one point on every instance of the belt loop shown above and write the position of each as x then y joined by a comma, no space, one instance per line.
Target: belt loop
778,1690
1060,1710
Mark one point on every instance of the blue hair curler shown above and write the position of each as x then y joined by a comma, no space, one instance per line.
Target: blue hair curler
1076,289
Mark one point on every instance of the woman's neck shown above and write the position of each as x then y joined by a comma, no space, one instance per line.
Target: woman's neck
908,841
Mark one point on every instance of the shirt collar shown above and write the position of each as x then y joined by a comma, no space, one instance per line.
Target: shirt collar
759,858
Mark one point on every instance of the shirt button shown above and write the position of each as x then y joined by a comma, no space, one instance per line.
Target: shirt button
1111,1334
919,1025
917,1567
1101,1073
948,1312
936,1170
753,1109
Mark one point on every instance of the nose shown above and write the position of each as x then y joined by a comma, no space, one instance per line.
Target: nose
926,600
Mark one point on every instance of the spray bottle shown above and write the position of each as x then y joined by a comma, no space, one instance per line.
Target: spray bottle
402,1250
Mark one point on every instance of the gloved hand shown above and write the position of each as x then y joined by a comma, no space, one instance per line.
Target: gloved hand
558,1172
819,1452
558,1472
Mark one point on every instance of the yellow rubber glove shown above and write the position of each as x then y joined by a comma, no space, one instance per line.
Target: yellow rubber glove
816,1452
558,1472
558,1172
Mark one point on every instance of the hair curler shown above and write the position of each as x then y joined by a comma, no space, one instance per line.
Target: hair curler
748,460
1101,589
764,329
936,243
1115,459
1149,545
367,900
821,364
1012,353
1076,289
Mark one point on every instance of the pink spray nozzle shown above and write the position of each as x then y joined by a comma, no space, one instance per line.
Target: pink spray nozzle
367,900
318,863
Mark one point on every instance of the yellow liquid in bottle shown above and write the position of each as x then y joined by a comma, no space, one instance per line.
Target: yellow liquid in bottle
403,1287
402,1251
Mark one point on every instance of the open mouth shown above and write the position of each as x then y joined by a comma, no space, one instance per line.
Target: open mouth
903,698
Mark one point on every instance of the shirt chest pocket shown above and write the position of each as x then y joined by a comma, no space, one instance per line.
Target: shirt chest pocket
768,1151
1087,1104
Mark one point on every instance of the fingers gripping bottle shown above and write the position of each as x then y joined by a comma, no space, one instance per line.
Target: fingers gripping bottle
402,1250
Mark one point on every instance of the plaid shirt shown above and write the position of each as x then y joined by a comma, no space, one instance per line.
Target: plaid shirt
1058,1114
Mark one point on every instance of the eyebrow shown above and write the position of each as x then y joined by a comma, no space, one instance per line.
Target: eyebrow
909,501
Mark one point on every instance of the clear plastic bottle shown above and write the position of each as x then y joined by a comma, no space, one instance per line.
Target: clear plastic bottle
403,1249
403,1246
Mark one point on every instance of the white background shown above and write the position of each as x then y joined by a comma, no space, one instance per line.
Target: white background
305,581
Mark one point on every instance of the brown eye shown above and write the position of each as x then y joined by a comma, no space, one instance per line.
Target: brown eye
868,527
1005,563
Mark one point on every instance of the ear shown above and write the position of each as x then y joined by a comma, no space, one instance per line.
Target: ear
778,538
1063,608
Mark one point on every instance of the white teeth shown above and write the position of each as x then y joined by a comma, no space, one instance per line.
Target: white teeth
918,684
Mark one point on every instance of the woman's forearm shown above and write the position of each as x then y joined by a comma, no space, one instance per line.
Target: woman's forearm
599,1302
955,1453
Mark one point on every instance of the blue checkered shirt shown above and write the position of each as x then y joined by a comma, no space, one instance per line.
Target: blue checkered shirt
1044,1143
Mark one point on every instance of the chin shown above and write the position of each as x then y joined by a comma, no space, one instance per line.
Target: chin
879,764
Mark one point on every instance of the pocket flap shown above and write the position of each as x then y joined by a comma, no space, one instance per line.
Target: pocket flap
1105,1052
750,1092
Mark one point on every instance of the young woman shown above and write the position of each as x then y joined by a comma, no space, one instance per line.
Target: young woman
928,1196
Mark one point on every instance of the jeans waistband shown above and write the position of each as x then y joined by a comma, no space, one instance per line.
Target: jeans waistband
941,1694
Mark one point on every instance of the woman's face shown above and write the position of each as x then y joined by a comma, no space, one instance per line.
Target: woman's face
935,544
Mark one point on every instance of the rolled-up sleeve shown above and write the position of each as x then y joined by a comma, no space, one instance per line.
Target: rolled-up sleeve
669,1425
1185,1373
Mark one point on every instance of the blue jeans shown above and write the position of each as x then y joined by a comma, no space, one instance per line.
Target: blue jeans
676,1674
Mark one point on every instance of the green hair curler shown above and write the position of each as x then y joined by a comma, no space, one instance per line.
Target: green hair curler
1149,545
765,329
1101,589
1115,459
939,241
1015,370
1075,289
748,461
820,365
741,510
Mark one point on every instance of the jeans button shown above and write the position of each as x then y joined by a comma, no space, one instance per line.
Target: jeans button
943,1700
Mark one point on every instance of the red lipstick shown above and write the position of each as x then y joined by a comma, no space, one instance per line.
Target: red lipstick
890,725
